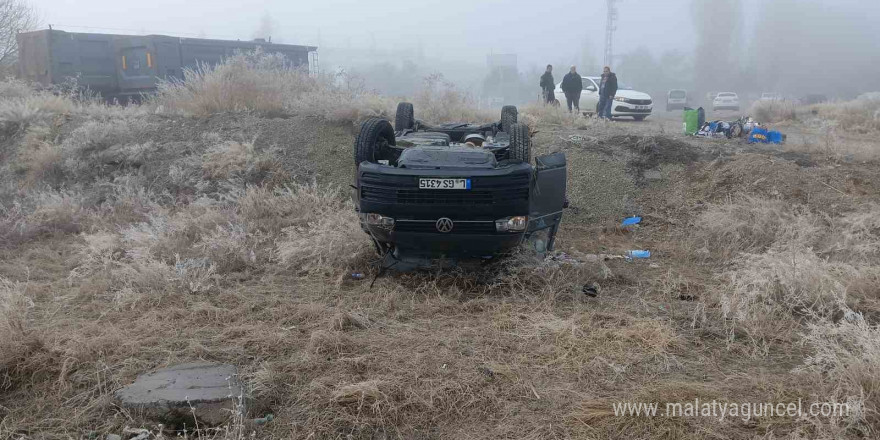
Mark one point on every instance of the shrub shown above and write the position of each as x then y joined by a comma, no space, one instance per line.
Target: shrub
774,111
861,115
264,84
846,356
18,338
752,224
41,213
440,101
765,293
325,237
11,88
236,160
540,114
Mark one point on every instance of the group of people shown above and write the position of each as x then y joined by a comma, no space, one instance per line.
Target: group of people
572,86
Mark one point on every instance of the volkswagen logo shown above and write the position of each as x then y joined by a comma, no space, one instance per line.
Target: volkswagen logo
444,225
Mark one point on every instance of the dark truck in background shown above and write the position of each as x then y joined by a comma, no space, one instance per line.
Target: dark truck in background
125,66
452,192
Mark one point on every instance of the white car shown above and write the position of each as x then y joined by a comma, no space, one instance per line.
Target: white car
770,97
676,99
628,102
726,101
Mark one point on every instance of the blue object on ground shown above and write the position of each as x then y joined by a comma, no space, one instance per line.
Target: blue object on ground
638,254
631,221
774,137
758,135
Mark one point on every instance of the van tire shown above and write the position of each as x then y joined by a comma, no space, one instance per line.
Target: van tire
373,140
508,117
520,148
405,118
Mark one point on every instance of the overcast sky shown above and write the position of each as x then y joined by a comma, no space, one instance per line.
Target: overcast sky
451,29
837,37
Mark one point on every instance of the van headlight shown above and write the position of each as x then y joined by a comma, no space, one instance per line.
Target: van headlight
379,220
512,224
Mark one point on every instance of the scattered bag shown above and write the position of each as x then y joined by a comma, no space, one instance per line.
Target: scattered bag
775,137
758,136
691,122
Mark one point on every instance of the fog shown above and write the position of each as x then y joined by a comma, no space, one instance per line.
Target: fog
794,47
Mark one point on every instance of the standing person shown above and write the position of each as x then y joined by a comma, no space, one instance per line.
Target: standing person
572,85
607,90
548,85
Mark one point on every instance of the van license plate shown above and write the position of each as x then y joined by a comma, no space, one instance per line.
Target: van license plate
444,183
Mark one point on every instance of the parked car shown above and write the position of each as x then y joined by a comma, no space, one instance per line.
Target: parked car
726,101
676,99
771,97
455,191
628,102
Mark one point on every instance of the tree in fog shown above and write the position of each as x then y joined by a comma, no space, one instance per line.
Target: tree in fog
645,72
588,65
717,47
828,49
15,16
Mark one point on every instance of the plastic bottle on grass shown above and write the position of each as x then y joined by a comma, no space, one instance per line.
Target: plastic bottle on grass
637,254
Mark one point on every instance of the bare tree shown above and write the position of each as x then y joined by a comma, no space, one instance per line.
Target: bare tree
717,25
15,16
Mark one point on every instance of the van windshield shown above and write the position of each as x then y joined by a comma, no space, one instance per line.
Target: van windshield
677,94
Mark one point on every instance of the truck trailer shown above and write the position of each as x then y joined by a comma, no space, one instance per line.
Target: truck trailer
125,67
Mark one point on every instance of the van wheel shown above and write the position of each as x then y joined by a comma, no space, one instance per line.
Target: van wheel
404,119
508,117
374,141
520,143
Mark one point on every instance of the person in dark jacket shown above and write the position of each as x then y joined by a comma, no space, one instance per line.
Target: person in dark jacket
572,85
548,85
607,90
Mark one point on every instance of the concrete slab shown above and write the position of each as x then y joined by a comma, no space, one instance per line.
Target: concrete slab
183,394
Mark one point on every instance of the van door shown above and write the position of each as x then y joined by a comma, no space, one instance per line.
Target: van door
547,200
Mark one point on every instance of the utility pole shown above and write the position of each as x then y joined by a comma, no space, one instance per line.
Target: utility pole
610,27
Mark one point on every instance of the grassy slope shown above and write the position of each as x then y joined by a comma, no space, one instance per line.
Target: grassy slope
119,258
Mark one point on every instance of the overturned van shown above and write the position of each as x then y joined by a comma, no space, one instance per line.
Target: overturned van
455,191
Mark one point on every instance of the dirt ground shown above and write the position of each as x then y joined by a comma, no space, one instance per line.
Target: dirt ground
525,351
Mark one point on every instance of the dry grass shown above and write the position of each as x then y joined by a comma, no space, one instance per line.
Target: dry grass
847,355
240,161
752,224
537,114
861,115
774,111
440,101
788,264
18,337
266,85
131,243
